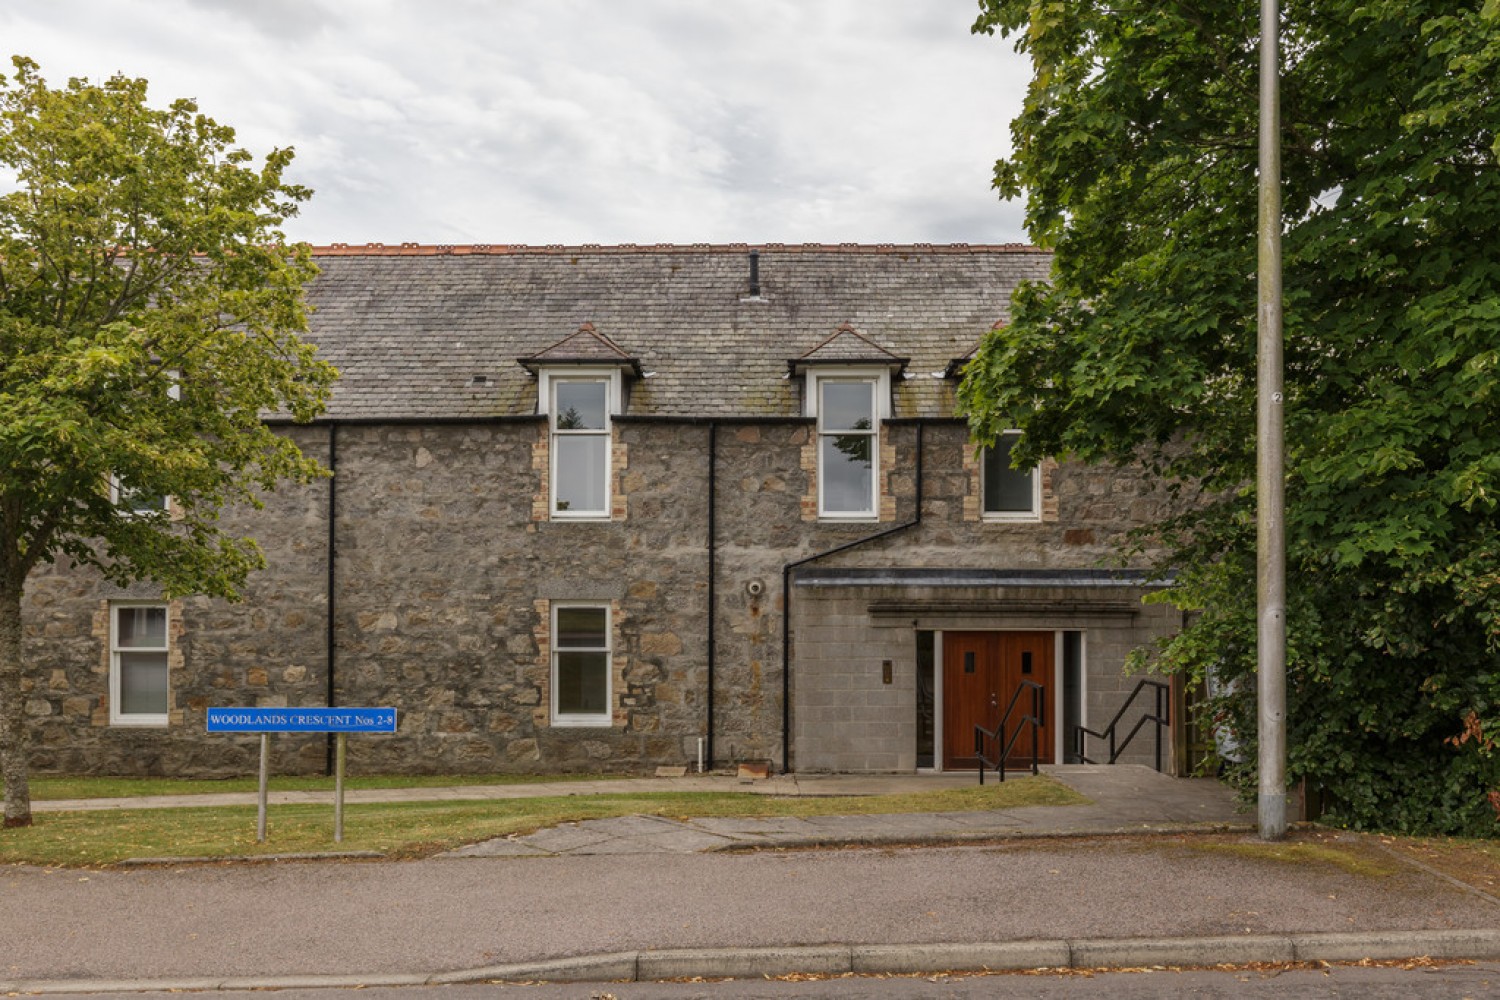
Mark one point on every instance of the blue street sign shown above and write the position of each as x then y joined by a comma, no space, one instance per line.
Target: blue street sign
302,720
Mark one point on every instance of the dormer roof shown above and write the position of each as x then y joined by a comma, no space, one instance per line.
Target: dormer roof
955,368
847,346
586,346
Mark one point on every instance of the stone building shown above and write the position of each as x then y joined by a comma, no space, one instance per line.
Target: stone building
608,508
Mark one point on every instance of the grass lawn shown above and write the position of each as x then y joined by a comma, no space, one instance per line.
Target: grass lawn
415,829
1474,862
53,788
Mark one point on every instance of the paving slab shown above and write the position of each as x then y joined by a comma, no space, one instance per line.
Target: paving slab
756,827
1123,798
627,826
500,847
569,837
686,839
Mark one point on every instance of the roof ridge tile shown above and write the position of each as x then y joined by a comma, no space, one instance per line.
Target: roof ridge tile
412,249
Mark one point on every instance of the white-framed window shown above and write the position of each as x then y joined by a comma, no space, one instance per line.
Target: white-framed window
578,407
138,646
849,406
1009,494
581,665
137,502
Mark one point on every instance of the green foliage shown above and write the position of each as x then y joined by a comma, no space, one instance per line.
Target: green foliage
1136,152
148,316
149,312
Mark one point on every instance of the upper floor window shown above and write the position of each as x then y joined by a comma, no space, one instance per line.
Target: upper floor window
849,405
848,448
1009,494
133,501
138,665
579,409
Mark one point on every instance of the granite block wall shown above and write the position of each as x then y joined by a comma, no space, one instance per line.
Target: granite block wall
446,566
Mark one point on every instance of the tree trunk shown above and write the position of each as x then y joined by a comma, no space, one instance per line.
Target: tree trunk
14,743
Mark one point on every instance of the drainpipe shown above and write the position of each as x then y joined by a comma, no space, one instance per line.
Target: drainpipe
786,608
713,572
328,643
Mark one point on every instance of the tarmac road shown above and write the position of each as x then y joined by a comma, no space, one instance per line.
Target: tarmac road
456,913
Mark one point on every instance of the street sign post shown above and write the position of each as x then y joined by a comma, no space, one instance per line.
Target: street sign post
265,721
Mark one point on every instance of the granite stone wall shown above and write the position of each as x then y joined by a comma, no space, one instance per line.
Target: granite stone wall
446,567
267,650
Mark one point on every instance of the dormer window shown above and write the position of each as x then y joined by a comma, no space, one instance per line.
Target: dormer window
849,404
580,388
579,408
849,392
579,403
848,447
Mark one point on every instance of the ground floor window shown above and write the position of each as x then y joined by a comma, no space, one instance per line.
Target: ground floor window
580,665
138,689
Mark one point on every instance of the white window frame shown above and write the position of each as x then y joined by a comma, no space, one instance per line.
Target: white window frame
1034,514
597,720
880,381
118,717
118,494
119,497
547,380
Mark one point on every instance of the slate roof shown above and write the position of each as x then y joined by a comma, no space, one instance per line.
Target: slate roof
412,327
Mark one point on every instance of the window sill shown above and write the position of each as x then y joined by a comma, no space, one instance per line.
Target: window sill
1027,517
138,721
582,722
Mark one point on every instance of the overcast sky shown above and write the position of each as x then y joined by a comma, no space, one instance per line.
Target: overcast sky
583,121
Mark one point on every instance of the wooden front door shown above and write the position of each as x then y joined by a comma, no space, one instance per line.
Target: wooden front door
981,672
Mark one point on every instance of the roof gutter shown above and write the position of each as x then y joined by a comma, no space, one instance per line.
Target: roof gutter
786,607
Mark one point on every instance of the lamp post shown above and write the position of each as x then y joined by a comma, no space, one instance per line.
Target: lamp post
1270,534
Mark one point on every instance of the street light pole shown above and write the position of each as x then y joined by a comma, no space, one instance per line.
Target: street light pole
1270,520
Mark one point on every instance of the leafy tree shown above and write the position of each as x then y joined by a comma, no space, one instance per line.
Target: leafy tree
148,317
1136,153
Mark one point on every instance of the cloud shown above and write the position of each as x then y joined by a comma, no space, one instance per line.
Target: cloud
584,120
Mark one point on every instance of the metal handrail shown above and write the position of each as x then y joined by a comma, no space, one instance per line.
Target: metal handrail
1004,746
1161,715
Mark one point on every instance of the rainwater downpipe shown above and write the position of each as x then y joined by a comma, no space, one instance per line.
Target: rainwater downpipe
713,573
786,608
328,642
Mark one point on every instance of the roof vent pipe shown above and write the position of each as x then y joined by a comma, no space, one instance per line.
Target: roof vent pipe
755,274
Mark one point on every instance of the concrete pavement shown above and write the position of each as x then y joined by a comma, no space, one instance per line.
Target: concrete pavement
1123,799
638,898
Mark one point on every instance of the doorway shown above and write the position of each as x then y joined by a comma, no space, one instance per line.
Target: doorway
981,672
